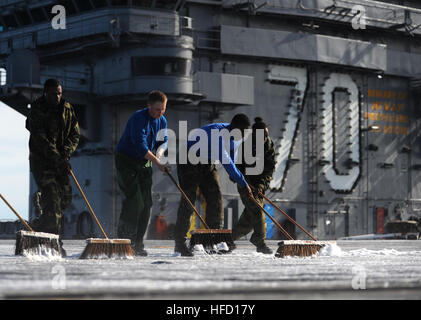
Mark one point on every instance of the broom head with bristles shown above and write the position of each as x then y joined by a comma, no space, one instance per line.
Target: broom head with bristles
107,248
300,248
37,243
212,240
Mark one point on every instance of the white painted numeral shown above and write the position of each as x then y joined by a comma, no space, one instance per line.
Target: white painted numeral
344,182
298,78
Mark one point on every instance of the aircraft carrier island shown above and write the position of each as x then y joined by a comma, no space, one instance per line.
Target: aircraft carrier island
338,83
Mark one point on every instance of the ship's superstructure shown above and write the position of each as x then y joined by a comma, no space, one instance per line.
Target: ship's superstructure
338,82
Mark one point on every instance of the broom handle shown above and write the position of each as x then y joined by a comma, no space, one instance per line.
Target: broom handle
187,199
273,220
17,214
287,216
87,203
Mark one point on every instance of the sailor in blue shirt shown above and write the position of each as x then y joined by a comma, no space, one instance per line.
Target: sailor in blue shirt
133,160
209,146
139,137
226,150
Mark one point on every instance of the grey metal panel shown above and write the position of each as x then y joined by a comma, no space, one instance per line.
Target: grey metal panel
298,46
403,63
385,183
96,22
391,180
114,74
225,88
377,14
351,52
131,20
73,77
340,218
153,22
24,67
356,216
415,161
146,84
267,43
9,2
89,171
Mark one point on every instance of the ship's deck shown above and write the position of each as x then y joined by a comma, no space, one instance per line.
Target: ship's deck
386,269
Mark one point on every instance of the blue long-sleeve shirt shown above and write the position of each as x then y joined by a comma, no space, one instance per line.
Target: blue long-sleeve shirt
140,134
225,154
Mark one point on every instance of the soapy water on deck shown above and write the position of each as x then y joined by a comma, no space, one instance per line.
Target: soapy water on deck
333,250
329,250
198,249
43,254
244,269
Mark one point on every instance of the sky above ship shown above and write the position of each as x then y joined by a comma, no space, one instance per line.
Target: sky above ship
14,163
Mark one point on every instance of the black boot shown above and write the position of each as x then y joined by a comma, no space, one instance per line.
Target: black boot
140,250
263,248
232,246
180,247
62,251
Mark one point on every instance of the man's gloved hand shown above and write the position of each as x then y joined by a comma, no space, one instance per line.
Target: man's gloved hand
250,192
64,165
260,188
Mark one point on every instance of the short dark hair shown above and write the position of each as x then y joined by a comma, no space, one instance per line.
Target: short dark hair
240,121
259,123
51,83
156,96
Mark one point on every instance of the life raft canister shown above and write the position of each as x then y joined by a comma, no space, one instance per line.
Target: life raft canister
161,228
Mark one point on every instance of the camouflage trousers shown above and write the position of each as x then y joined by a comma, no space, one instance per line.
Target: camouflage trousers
191,177
55,195
135,180
252,219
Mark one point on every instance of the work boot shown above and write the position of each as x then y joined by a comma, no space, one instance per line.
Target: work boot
63,252
181,248
263,248
232,246
140,250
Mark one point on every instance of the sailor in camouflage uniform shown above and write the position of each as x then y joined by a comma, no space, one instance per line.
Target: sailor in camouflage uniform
54,136
253,218
204,175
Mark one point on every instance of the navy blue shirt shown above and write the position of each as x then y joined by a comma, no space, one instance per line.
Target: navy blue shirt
140,134
224,153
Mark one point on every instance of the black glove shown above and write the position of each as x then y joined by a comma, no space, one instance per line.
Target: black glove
64,165
261,188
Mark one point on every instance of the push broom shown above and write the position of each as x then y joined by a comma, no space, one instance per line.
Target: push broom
98,248
209,238
34,243
291,247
